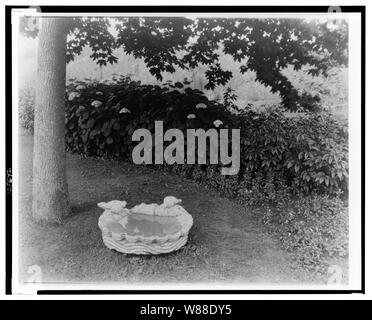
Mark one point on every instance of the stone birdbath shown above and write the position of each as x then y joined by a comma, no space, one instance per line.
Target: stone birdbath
145,228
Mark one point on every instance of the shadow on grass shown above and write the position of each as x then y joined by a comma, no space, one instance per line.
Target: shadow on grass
226,242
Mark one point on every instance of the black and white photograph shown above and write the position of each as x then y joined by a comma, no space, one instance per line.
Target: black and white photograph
207,149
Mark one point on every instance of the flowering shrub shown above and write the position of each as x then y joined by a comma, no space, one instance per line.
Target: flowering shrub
101,118
306,154
281,158
299,154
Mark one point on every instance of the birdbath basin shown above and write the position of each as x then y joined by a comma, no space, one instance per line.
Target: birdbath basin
146,228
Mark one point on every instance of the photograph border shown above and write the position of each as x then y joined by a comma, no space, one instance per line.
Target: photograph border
170,9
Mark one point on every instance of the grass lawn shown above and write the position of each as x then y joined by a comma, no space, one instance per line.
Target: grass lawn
226,243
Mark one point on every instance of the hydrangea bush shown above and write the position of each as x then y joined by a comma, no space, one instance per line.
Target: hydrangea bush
305,154
295,168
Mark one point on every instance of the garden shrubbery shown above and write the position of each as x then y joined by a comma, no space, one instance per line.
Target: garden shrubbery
307,153
296,166
101,117
302,154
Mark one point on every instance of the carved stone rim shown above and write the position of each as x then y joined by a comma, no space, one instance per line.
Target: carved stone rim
185,220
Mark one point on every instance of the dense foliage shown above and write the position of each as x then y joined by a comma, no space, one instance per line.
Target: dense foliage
101,117
265,46
293,168
280,156
307,153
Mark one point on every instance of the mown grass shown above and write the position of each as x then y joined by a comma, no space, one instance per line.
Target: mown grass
226,243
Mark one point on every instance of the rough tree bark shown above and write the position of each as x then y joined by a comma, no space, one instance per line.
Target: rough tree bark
50,191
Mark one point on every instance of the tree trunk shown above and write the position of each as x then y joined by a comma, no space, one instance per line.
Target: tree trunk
50,192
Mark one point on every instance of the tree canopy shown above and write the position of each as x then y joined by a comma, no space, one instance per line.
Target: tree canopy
263,45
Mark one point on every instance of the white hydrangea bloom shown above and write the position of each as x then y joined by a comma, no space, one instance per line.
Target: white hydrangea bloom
217,123
73,95
96,103
201,106
191,116
80,87
124,110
